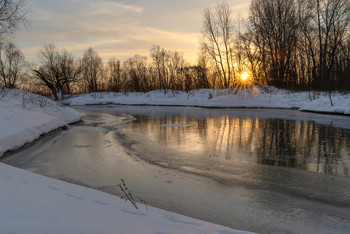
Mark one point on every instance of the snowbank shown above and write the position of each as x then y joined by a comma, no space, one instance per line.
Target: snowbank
341,104
32,203
252,97
25,116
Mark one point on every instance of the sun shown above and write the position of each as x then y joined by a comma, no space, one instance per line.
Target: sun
244,76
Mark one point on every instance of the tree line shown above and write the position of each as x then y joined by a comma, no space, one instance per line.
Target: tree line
59,72
292,44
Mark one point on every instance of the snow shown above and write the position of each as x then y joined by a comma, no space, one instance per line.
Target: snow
25,116
250,97
341,105
31,203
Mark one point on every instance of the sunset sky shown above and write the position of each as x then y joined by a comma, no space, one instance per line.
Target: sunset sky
117,28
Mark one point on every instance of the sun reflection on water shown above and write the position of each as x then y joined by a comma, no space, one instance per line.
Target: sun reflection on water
301,144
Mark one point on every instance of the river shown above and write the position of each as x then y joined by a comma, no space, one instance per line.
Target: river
266,171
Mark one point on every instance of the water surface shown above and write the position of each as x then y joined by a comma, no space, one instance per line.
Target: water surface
267,171
283,138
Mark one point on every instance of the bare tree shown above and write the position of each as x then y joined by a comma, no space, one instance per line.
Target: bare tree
70,70
48,71
343,67
202,73
332,22
195,77
137,72
217,41
116,78
12,12
160,58
325,26
168,64
56,70
92,70
274,26
175,65
12,64
252,58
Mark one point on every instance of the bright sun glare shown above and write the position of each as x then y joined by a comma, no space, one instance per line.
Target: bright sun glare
244,76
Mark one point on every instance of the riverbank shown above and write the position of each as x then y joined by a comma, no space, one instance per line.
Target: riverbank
31,203
25,116
251,97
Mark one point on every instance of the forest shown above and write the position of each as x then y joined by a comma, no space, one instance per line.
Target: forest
289,44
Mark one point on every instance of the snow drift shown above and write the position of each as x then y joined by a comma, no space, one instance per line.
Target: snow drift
25,116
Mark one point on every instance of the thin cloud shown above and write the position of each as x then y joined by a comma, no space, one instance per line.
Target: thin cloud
115,27
107,6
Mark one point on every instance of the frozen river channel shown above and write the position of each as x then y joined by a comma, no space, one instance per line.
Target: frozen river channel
266,171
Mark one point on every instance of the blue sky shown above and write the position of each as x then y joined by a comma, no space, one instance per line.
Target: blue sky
116,28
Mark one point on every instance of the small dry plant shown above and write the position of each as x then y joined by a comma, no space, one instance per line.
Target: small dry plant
128,195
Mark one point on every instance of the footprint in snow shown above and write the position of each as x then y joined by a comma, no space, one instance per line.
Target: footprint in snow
133,212
53,188
100,203
7,176
75,197
176,220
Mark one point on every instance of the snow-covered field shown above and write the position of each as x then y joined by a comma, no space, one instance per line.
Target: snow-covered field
252,97
31,203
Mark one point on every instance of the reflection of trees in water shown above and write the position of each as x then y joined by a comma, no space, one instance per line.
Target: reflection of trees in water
278,139
301,144
330,152
305,145
169,135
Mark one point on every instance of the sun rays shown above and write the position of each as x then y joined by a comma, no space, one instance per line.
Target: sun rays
243,84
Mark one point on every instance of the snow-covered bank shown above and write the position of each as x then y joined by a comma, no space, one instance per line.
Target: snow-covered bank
251,97
341,105
25,116
32,203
